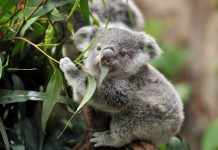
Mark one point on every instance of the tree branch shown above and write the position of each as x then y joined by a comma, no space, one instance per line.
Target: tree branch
98,121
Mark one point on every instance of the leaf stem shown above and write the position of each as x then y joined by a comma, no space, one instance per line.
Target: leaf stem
32,13
84,51
21,38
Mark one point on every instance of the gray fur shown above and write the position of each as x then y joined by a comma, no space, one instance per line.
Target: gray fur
119,11
119,18
143,105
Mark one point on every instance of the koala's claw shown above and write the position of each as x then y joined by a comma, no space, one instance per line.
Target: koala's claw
66,64
98,138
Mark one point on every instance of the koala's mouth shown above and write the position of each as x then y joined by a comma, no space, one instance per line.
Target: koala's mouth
110,66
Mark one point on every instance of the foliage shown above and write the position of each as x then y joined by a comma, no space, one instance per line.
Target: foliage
209,141
27,28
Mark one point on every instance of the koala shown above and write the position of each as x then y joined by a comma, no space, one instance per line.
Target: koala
142,103
120,11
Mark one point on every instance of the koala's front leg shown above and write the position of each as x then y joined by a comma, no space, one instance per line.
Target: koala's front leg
120,134
75,78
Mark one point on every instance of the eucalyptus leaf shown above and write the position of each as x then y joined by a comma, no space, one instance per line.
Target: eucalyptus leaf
75,5
17,96
104,72
55,15
174,144
89,93
52,92
49,35
18,147
46,7
4,135
162,146
84,4
70,27
6,5
27,25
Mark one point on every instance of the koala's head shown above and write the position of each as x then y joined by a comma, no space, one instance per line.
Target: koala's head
124,52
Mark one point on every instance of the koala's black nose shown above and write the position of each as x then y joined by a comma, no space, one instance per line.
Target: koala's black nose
106,56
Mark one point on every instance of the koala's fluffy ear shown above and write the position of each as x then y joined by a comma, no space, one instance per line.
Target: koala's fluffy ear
83,37
152,47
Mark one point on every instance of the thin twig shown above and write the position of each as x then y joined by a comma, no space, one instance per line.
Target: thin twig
21,38
15,13
21,69
25,20
42,1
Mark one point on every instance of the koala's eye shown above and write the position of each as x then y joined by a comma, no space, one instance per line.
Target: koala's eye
149,46
83,35
98,46
123,52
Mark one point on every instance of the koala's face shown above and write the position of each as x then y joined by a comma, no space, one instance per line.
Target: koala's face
124,52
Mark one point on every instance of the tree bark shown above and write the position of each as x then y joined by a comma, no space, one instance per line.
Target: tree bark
99,121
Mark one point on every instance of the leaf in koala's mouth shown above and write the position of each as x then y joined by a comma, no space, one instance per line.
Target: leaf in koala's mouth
104,72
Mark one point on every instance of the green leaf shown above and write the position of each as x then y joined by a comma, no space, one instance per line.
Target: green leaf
55,15
18,48
18,96
174,144
27,25
49,35
75,5
52,92
162,146
104,72
1,67
4,134
84,4
89,93
6,5
210,137
77,60
46,7
8,32
18,147
70,27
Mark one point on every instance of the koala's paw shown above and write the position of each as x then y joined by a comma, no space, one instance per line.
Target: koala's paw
99,138
67,65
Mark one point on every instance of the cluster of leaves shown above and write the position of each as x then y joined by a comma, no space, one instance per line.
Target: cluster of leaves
31,37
